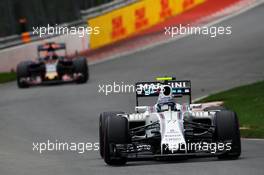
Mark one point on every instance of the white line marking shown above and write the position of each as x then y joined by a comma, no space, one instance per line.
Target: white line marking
199,98
252,139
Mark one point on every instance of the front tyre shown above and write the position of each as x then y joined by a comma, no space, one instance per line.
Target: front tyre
22,72
115,132
102,125
81,67
227,129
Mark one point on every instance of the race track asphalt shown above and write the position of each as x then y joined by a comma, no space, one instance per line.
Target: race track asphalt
69,113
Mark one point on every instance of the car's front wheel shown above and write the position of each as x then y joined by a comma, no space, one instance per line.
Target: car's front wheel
22,72
102,120
227,130
81,67
116,131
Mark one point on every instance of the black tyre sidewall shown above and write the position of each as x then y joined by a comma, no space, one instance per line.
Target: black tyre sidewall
115,132
22,72
101,134
80,66
227,128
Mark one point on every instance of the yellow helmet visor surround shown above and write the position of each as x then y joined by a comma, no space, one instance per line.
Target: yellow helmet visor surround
165,78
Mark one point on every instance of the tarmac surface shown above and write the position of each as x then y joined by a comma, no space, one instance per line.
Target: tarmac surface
69,113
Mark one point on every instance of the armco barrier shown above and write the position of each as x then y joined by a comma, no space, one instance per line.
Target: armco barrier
126,21
10,57
15,40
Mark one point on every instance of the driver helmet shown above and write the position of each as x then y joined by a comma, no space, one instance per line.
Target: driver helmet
165,98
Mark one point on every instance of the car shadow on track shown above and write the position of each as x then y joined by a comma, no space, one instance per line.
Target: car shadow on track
144,162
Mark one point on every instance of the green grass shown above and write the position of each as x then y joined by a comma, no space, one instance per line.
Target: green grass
248,102
7,76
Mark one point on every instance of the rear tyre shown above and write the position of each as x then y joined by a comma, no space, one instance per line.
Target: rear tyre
115,132
227,129
81,67
23,72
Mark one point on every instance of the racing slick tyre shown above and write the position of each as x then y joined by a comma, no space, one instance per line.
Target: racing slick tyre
102,121
116,131
65,67
60,70
101,134
22,72
227,129
81,67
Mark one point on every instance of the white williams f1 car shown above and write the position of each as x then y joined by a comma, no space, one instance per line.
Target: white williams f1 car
169,128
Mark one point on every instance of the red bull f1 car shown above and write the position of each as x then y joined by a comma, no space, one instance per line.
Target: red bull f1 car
51,67
172,127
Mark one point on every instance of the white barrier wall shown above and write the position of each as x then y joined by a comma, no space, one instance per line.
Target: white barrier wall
10,57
